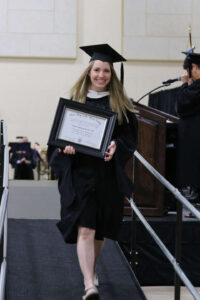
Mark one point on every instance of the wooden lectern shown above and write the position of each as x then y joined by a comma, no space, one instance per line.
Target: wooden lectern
157,139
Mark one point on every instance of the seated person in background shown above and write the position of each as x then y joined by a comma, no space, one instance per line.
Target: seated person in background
21,159
188,171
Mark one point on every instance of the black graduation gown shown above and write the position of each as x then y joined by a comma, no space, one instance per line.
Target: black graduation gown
22,170
82,178
188,161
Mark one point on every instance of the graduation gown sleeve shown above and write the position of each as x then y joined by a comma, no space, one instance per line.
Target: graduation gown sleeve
61,165
188,150
125,136
189,99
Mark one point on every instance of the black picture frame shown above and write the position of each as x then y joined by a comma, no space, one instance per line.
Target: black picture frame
82,112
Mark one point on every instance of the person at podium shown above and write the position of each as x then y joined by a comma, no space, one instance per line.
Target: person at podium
188,100
93,189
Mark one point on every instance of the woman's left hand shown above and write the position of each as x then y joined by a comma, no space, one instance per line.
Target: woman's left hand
111,151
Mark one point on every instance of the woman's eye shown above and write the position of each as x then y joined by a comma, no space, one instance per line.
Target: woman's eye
104,71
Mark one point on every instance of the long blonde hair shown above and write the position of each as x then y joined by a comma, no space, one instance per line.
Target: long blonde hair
119,102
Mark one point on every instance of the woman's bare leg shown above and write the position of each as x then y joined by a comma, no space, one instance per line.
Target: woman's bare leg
86,254
98,246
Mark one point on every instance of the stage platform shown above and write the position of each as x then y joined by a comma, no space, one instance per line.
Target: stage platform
153,268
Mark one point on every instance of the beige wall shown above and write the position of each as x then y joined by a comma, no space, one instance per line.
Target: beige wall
30,88
157,29
34,28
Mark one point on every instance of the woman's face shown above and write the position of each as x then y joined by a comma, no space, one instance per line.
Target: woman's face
100,75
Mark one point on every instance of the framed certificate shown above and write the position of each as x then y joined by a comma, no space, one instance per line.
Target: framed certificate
88,129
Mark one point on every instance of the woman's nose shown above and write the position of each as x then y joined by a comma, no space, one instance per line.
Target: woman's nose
101,74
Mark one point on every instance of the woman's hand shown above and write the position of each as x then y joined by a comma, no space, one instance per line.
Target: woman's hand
111,150
68,150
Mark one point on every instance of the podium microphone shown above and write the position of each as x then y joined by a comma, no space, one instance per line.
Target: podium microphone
169,81
164,84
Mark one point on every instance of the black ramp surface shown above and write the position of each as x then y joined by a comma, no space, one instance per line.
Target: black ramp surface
42,267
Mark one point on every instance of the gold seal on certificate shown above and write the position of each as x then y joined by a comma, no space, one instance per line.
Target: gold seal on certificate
87,128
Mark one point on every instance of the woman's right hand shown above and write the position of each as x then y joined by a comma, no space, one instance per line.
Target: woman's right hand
68,150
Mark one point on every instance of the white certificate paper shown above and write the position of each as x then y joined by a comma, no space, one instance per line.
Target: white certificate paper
82,128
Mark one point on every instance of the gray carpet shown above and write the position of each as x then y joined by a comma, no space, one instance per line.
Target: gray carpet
42,267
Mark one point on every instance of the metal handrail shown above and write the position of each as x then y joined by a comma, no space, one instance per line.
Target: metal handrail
3,211
167,253
168,185
3,279
3,208
5,234
185,202
6,156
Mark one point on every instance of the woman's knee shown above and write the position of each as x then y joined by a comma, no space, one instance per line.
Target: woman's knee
86,233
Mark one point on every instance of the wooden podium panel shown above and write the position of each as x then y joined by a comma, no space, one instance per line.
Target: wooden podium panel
151,145
149,193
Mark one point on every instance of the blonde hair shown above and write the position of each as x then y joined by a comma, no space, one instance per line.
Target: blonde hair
119,102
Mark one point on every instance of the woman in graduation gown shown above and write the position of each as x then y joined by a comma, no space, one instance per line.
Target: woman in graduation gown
189,124
92,189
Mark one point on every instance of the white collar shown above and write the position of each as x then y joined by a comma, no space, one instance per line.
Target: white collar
94,94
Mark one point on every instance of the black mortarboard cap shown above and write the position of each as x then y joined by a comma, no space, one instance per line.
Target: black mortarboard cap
191,58
194,57
105,53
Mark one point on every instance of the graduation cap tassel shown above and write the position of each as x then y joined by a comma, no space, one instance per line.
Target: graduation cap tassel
122,74
190,68
192,47
191,56
191,51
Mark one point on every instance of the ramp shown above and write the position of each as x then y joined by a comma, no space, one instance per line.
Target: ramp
42,267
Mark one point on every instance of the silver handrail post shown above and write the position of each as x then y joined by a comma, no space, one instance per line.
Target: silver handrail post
178,249
166,252
133,252
181,201
3,209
